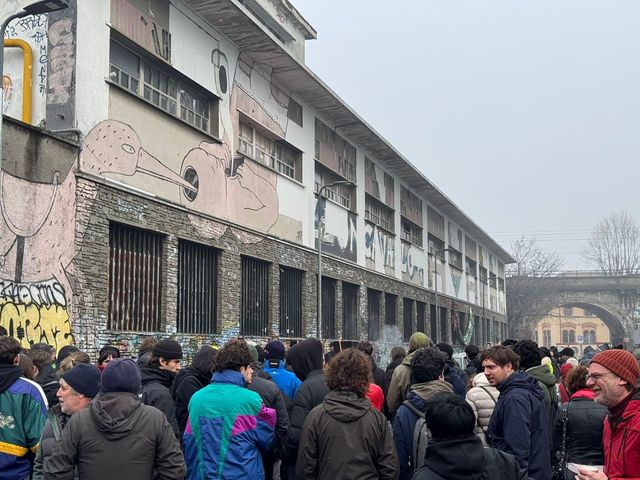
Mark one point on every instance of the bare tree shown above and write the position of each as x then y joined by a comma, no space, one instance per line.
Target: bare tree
525,299
614,246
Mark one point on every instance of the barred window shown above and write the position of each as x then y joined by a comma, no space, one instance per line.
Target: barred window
291,280
254,300
373,313
390,309
421,313
350,310
407,314
197,292
135,279
328,308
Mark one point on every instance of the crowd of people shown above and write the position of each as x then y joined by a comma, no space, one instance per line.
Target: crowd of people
508,411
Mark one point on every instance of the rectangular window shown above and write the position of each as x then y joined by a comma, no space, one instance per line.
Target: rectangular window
162,86
291,281
410,206
378,213
344,195
471,267
433,322
254,299
328,308
390,309
135,279
273,153
294,112
421,320
411,232
436,246
350,310
567,311
334,152
197,280
407,317
373,313
435,223
455,258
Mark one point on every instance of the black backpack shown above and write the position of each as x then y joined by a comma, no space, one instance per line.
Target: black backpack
421,436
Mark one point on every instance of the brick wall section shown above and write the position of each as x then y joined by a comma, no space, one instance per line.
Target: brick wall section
98,204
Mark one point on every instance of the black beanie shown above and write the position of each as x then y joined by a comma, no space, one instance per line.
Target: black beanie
168,349
121,375
84,378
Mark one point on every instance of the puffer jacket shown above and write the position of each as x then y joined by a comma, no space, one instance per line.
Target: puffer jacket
621,440
156,392
228,427
405,421
346,437
482,397
583,430
400,382
117,437
467,460
520,425
56,421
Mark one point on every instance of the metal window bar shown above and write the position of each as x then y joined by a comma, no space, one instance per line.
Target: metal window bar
332,194
373,314
135,267
328,308
197,288
254,308
421,320
291,302
390,309
350,310
407,314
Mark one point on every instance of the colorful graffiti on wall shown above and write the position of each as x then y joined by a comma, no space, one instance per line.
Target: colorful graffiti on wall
380,250
341,240
412,264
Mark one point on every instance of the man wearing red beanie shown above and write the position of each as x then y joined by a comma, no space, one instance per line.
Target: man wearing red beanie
613,376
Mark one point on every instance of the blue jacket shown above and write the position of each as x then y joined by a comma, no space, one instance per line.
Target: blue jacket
287,381
405,421
520,425
227,428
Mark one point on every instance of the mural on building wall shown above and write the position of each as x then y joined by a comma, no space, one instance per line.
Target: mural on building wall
341,240
413,262
456,279
380,250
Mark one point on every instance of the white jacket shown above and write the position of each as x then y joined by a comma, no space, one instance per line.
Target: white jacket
479,397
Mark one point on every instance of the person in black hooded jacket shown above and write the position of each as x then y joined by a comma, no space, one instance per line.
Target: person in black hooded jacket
306,360
189,380
455,452
157,379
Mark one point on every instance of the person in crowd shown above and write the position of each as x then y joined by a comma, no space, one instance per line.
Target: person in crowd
78,386
345,437
401,378
482,397
565,354
636,355
42,355
509,342
106,354
22,414
72,360
117,436
454,452
548,358
286,380
378,374
452,374
520,422
3,331
189,380
272,397
64,352
228,424
530,362
562,384
613,377
397,355
29,370
427,380
306,360
157,379
473,366
577,434
587,355
145,350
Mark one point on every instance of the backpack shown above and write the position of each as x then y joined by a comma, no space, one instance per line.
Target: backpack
421,436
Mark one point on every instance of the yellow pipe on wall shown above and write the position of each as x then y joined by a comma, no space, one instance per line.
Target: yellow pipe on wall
27,75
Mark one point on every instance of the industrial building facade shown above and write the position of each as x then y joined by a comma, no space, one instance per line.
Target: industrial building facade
166,183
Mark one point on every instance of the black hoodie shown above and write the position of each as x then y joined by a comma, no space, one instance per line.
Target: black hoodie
189,380
467,460
8,375
156,391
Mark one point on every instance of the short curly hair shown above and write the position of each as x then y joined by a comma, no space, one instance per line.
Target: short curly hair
234,355
349,370
529,353
427,365
576,379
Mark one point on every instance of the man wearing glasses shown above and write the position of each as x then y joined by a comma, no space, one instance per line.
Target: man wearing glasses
613,376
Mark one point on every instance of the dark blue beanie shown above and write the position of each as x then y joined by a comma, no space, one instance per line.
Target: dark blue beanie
121,375
84,378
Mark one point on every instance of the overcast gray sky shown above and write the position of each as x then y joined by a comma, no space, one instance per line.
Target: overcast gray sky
525,113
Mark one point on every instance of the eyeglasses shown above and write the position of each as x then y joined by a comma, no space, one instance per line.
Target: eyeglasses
594,377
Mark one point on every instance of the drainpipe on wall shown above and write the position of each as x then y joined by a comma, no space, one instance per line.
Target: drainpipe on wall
27,75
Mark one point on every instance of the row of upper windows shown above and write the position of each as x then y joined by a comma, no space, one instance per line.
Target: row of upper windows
161,86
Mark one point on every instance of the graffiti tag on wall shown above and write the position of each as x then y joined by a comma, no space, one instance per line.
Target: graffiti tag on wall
35,312
379,247
411,268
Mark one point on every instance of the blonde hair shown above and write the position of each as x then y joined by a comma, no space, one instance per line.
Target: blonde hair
71,361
